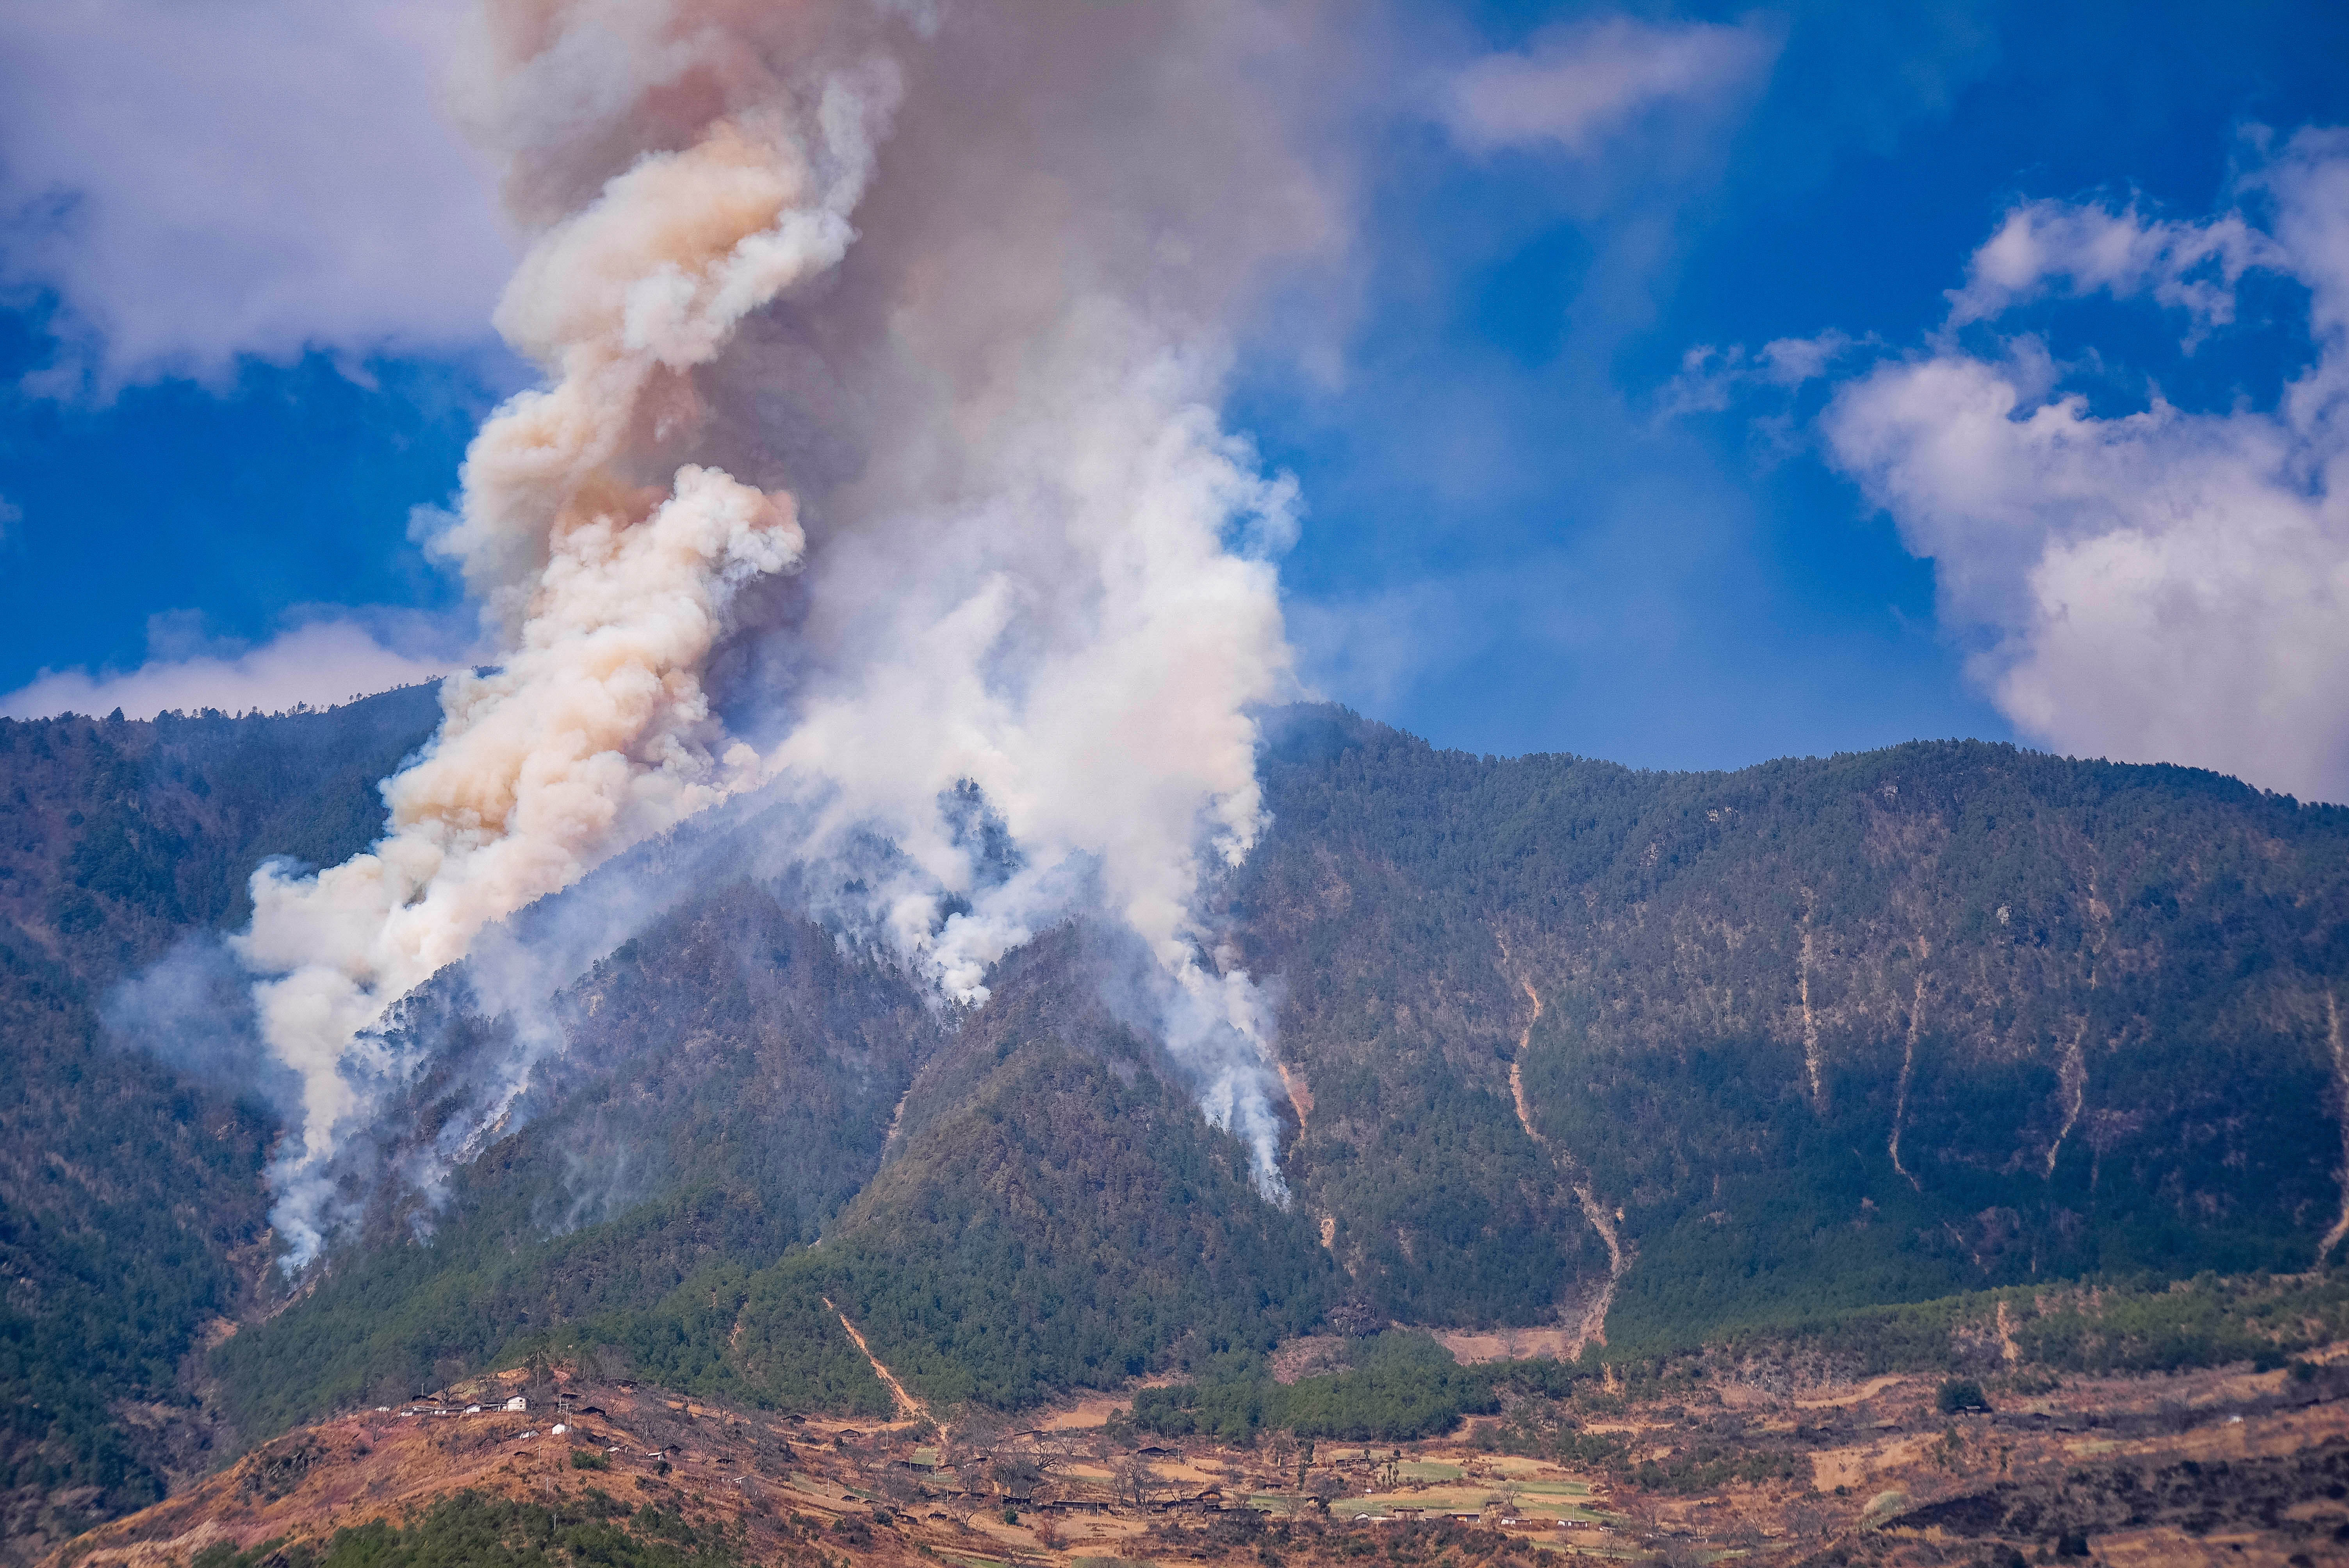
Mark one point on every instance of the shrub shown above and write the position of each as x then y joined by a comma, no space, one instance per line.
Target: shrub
1960,1393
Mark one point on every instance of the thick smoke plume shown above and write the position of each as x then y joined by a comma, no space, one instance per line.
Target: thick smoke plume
877,464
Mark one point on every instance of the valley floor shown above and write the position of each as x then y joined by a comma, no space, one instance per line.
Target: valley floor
2220,1466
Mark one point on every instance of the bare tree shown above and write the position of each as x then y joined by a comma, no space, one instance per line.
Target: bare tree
1133,1480
976,1433
1016,1476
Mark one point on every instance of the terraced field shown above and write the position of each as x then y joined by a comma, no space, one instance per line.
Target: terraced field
1522,1488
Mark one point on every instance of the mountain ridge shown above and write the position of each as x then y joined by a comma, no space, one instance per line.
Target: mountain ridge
1832,1032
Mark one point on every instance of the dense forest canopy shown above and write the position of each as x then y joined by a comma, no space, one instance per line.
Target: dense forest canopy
132,1211
1825,1032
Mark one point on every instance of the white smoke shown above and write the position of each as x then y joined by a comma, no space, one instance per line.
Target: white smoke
883,348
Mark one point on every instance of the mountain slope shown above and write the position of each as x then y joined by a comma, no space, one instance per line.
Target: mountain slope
131,1205
1745,983
1074,1221
1567,1044
727,1087
2093,1002
1062,1216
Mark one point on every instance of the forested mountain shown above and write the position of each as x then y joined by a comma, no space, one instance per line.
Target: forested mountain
1667,1055
730,1078
131,1206
1876,1027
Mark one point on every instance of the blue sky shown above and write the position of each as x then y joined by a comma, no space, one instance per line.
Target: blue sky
1531,520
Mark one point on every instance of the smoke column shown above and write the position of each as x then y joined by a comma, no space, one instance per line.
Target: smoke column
876,462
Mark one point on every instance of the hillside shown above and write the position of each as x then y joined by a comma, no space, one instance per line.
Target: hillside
1816,1033
729,1083
1072,1223
131,1208
1572,1052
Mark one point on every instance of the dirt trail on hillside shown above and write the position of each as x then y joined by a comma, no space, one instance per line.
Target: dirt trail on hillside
906,1403
2341,1077
1908,1069
1591,1327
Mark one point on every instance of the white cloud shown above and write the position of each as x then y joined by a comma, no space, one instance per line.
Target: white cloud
1576,85
319,663
201,181
2192,266
11,514
1712,377
2163,585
